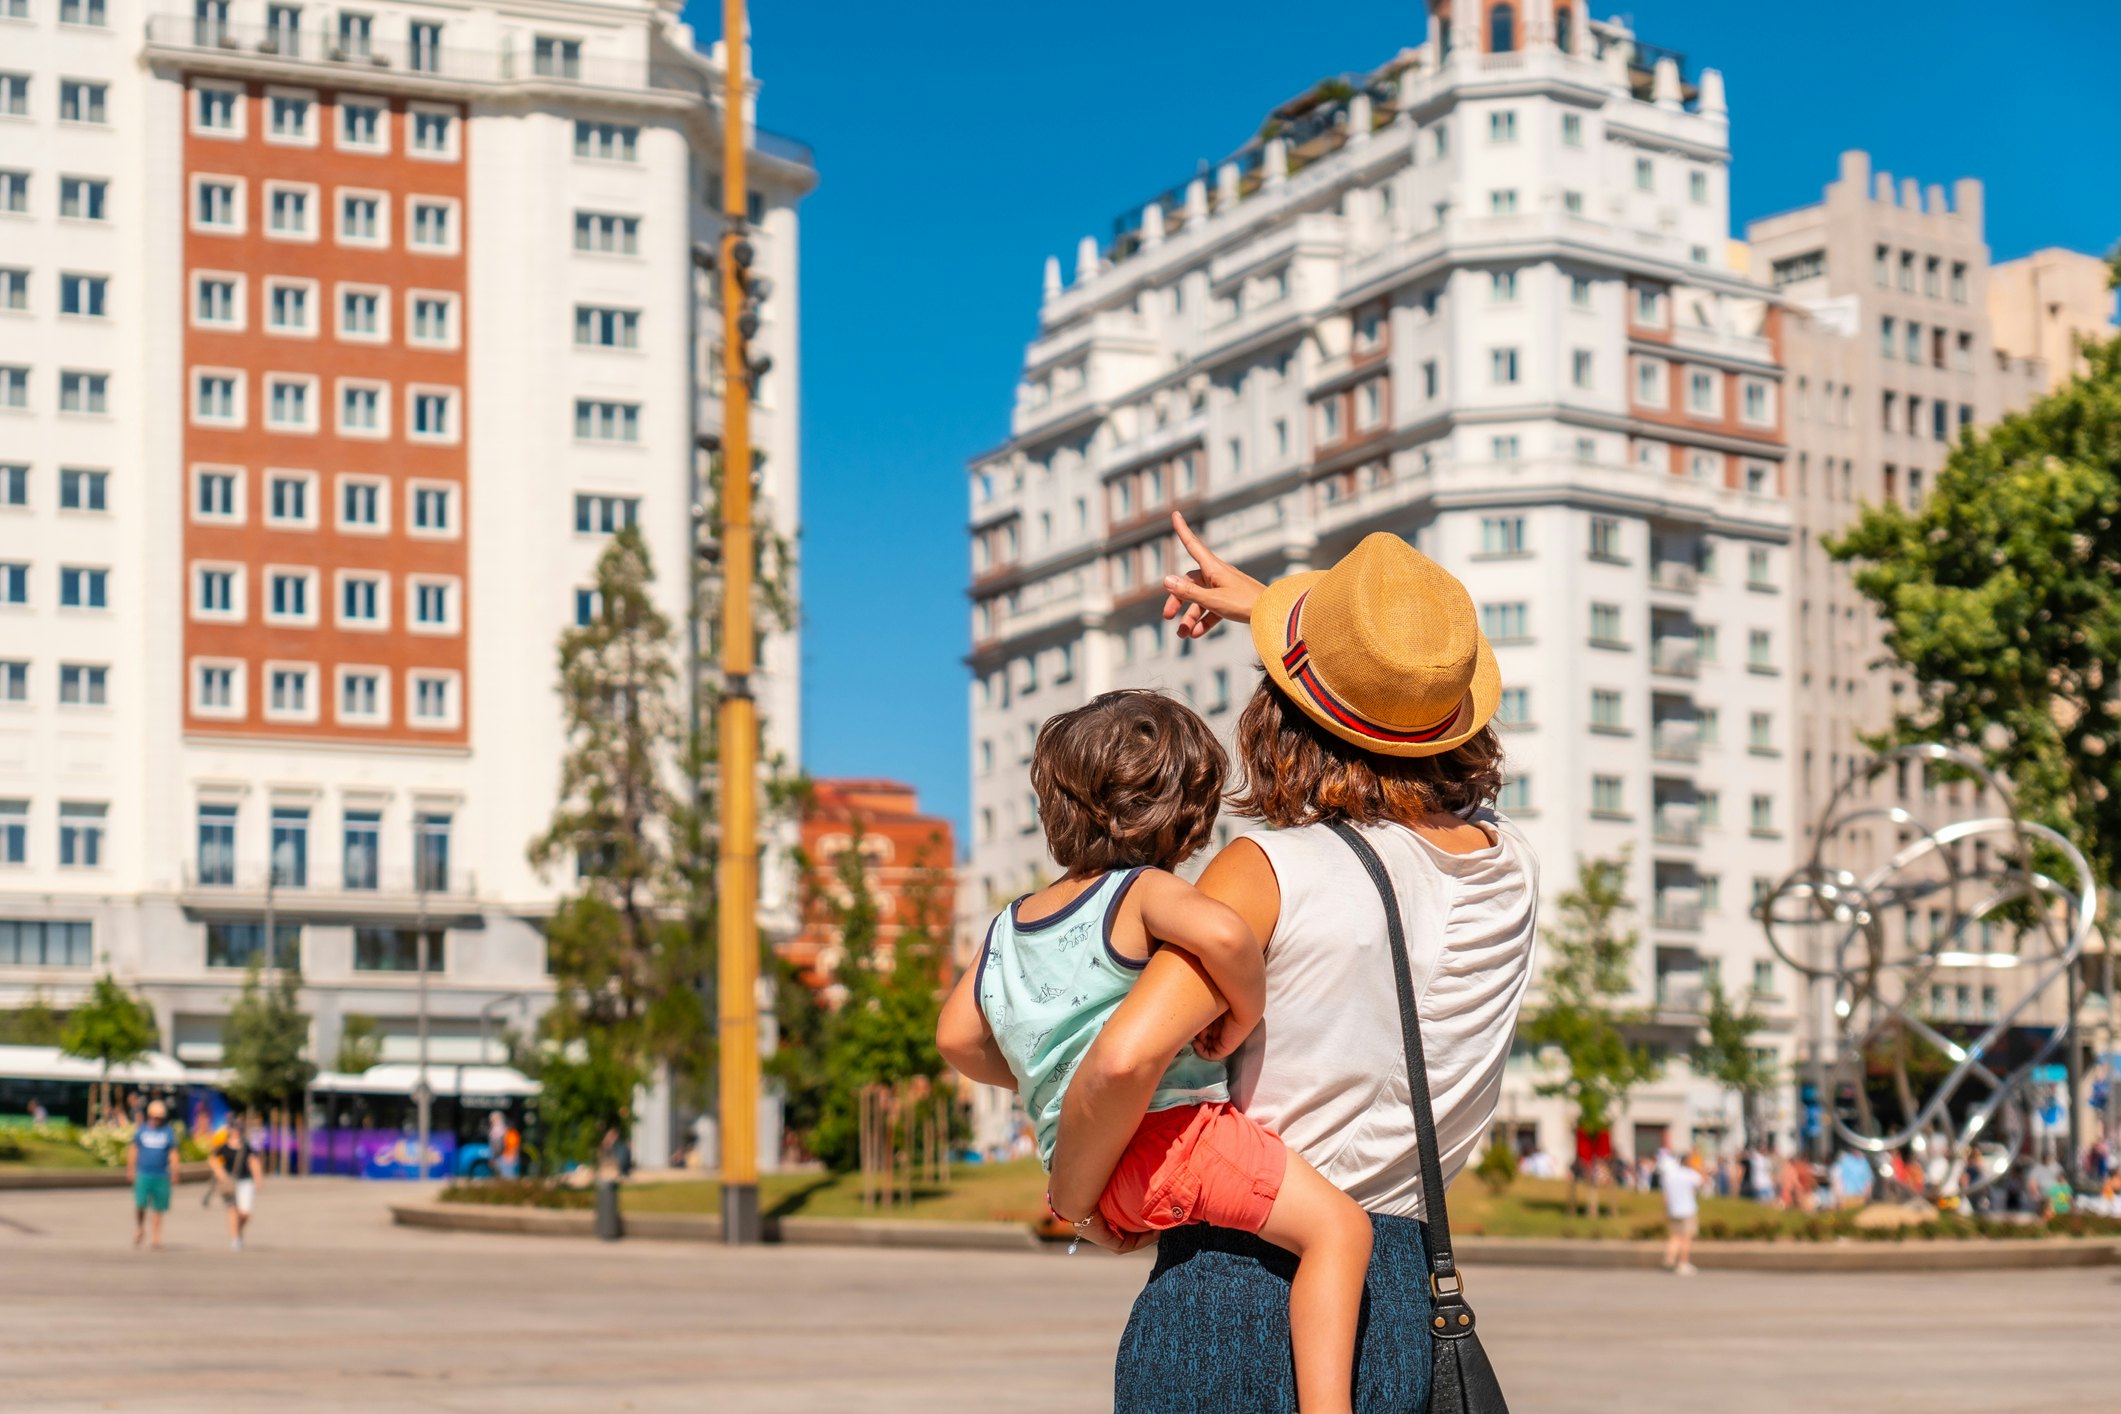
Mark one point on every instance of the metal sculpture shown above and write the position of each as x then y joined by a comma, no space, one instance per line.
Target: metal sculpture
2003,894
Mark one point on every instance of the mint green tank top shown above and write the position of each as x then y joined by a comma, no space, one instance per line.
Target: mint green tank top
1047,988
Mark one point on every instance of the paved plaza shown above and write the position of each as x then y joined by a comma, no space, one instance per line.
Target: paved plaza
332,1308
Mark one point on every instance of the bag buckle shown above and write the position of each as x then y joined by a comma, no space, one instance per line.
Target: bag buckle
1457,1290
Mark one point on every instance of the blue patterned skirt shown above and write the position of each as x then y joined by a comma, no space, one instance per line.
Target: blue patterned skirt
1210,1332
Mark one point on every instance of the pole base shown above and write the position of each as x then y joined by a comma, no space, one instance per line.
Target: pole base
740,1215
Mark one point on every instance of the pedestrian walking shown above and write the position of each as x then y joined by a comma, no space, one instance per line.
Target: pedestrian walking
1681,1185
238,1170
152,1164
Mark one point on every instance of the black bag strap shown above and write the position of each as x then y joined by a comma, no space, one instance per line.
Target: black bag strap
1442,1264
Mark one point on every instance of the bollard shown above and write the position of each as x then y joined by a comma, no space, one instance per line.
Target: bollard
608,1210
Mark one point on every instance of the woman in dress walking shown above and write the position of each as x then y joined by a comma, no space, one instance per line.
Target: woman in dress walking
1373,711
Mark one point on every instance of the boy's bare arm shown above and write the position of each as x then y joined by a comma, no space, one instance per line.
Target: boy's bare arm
1176,913
962,1035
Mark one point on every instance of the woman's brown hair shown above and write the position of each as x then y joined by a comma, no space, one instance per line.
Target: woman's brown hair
1129,778
1295,772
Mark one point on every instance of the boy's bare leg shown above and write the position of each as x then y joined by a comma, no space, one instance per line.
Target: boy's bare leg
1330,1236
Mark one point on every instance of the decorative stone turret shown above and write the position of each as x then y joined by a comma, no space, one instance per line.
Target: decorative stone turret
1226,185
1196,202
1152,224
1085,259
1664,86
1053,278
1713,104
1275,163
1359,118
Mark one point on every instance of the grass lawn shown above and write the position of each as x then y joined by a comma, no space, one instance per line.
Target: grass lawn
49,1154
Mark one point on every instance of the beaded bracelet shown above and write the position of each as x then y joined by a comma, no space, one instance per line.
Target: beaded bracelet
1077,1225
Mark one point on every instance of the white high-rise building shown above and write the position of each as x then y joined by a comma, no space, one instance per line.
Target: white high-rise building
1480,298
335,343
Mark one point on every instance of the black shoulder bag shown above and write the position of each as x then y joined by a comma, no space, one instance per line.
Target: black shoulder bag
1464,1382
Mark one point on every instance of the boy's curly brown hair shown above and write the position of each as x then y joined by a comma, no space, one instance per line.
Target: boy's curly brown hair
1131,777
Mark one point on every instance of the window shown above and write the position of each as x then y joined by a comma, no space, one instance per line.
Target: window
361,600
1959,282
1516,794
434,415
1504,623
1608,796
1888,342
83,199
1932,284
356,35
288,118
360,219
1502,202
1502,535
1763,814
589,606
288,211
556,58
1756,569
1754,405
84,392
434,133
14,95
433,701
14,386
1907,271
216,690
289,406
290,846
215,109
1760,650
596,420
1645,174
423,46
1914,342
84,685
14,582
604,234
361,695
1605,539
1572,129
398,949
431,509
81,835
433,226
217,495
1605,710
361,408
289,696
81,102
288,500
214,300
77,12
604,515
1605,626
1502,366
83,296
1580,368
1701,392
360,504
598,327
83,588
242,945
1795,269
1882,266
1649,382
1760,733
1697,188
14,485
606,142
433,319
362,844
36,942
433,605
361,123
217,845
14,193
1502,286
216,592
360,314
1513,707
1431,378
1329,428
14,849
14,680
290,601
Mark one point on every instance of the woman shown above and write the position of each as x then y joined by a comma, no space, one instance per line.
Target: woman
1374,710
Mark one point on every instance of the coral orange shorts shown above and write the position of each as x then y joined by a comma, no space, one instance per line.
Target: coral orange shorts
1195,1164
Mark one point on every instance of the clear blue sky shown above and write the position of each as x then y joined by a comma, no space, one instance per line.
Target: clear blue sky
960,142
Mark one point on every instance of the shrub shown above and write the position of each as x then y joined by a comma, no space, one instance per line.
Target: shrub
11,1150
1497,1168
519,1193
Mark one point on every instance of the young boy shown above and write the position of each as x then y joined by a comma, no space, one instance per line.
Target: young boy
1128,788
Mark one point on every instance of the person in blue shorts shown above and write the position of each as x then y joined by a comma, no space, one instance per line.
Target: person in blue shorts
152,1165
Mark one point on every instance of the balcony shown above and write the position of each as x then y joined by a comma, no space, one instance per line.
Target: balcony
220,887
1674,577
1669,743
1675,658
1677,915
1675,827
1684,993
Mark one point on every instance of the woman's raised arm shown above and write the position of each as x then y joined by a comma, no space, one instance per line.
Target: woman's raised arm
1170,1005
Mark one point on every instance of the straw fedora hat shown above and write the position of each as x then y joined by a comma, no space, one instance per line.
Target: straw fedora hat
1383,650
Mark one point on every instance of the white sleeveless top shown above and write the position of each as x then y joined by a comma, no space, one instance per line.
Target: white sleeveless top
1325,1069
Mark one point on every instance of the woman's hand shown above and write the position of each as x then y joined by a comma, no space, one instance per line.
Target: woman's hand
1202,598
1100,1233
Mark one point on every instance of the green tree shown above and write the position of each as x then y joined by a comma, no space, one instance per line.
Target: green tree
34,1023
627,970
360,1044
1589,968
1725,1053
264,1041
883,1030
2001,597
112,1027
584,1089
